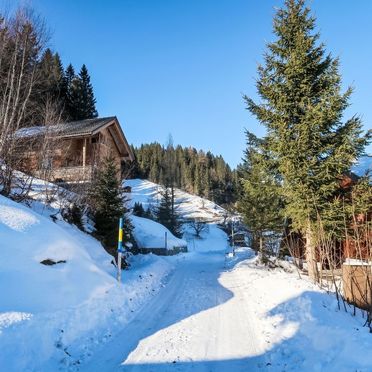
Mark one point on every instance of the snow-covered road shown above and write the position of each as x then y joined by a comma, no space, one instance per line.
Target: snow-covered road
200,321
232,314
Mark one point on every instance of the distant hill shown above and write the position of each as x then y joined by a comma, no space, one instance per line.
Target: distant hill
191,170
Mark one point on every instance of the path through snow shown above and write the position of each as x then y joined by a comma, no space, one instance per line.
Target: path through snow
218,314
196,323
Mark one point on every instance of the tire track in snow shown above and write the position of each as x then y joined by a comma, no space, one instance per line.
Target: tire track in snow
199,321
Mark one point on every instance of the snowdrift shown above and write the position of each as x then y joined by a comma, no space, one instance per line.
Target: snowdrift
27,285
52,316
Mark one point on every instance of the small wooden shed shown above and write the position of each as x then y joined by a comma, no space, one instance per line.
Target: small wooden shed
357,283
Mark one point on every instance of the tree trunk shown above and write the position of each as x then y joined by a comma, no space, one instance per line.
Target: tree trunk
262,250
311,256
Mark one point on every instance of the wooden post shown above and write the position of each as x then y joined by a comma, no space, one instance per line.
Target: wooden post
84,152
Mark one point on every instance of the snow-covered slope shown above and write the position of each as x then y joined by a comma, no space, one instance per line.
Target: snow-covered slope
52,316
188,206
28,239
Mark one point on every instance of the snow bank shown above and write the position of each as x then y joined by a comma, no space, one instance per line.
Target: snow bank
301,325
212,240
26,285
52,316
150,234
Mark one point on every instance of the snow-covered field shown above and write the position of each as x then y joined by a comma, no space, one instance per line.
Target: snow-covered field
150,234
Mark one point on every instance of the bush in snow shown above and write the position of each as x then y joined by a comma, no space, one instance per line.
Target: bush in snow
73,214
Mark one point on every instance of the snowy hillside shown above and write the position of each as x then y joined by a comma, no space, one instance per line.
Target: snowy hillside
189,206
28,239
52,315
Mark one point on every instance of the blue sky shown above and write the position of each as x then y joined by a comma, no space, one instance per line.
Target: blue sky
180,67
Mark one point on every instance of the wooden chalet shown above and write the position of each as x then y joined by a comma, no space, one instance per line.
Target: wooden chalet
75,149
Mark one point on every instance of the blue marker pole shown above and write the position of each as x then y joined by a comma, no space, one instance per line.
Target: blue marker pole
120,247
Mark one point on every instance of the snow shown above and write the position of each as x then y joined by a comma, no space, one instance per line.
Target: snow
189,206
217,314
200,311
30,131
53,315
356,262
150,234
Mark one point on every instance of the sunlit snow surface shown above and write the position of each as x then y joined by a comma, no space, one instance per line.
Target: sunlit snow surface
200,311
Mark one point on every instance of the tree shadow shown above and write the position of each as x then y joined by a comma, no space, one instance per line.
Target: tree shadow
313,336
194,288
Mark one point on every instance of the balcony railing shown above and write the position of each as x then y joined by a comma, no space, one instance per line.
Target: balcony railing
72,174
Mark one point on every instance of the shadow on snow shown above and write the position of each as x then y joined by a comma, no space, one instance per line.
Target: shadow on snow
313,342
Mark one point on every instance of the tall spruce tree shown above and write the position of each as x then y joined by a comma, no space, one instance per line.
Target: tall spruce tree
302,107
49,86
69,78
85,101
80,95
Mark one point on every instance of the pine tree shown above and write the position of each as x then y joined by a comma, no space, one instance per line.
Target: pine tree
80,96
69,78
50,87
302,107
138,210
108,204
69,75
86,106
260,203
186,168
166,213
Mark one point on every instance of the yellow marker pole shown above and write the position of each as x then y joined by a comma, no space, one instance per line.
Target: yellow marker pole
120,248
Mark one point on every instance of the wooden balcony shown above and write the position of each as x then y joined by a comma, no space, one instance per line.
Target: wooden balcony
72,174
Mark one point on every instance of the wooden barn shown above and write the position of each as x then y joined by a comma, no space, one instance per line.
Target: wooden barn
73,150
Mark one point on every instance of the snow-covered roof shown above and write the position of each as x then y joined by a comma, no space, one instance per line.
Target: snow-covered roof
69,129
